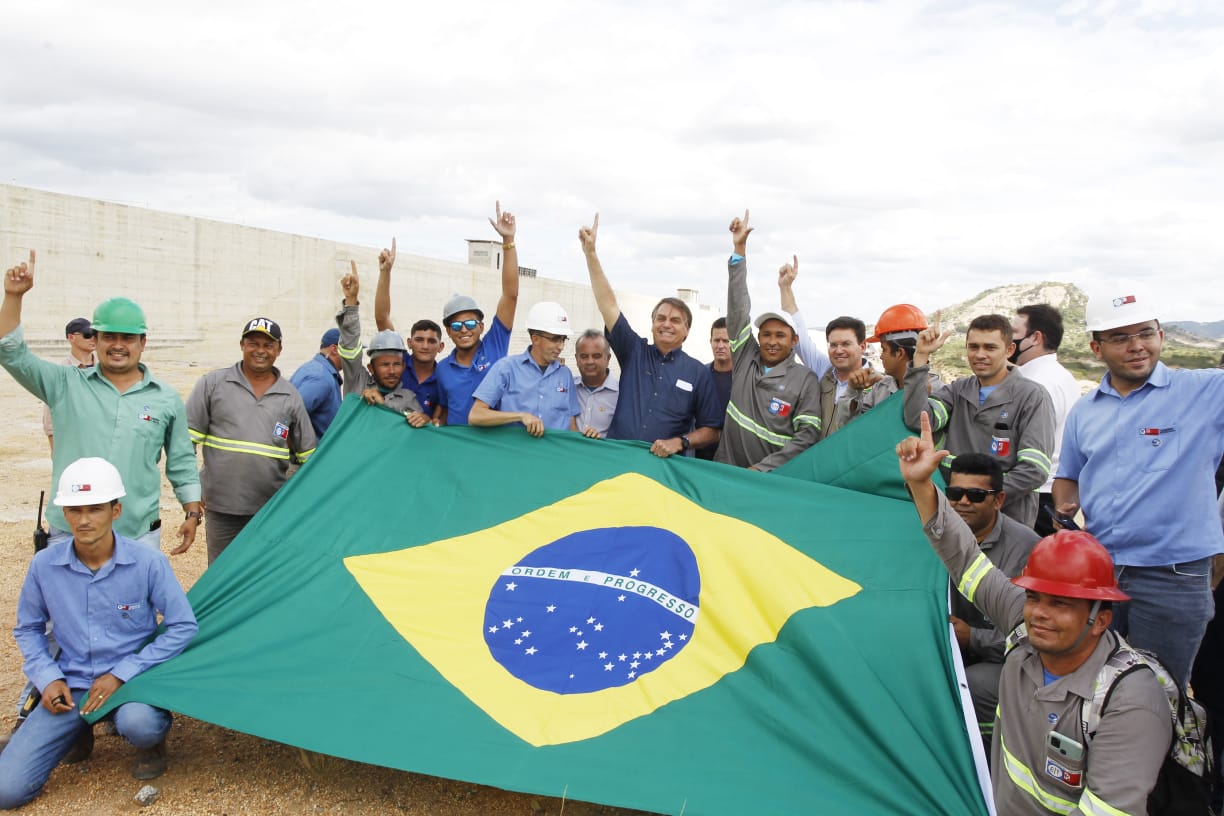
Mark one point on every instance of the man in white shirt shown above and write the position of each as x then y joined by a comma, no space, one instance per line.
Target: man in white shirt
1038,332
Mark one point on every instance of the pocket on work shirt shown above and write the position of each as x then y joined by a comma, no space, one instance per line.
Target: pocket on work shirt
132,617
1155,447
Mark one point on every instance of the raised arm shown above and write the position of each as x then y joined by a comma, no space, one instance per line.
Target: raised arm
508,302
349,322
917,386
811,356
17,281
382,292
605,298
739,303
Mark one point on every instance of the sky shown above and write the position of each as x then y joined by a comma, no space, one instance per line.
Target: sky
905,151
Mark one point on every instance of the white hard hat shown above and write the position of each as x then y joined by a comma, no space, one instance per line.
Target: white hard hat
548,317
1118,306
89,481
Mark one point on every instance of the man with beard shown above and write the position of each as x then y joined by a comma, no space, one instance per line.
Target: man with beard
381,381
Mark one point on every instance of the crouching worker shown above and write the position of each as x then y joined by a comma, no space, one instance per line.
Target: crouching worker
1042,761
104,592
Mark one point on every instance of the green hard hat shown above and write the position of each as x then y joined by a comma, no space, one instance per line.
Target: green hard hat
119,315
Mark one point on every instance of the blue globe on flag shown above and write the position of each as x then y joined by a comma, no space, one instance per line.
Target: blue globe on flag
595,609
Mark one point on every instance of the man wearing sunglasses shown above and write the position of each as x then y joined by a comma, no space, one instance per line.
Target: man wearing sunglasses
474,352
82,340
975,493
1138,456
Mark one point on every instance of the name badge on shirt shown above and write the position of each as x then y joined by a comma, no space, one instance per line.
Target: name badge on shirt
684,385
1067,776
779,407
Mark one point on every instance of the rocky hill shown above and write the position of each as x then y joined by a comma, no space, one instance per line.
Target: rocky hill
1181,349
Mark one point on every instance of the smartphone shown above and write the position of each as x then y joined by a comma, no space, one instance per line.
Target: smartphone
1064,746
1063,521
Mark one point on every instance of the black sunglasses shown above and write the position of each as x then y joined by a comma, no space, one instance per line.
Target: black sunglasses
976,494
469,324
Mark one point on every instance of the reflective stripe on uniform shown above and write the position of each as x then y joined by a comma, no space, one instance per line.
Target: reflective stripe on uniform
348,353
939,413
806,419
242,446
1023,779
760,431
741,338
1093,805
1035,456
973,576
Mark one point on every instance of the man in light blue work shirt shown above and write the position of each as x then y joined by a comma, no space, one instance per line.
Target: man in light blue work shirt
115,410
532,388
104,592
1139,453
318,381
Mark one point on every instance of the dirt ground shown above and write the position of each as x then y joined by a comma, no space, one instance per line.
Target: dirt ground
212,770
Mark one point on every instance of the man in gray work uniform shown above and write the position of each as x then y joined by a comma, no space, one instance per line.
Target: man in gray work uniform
1041,761
252,424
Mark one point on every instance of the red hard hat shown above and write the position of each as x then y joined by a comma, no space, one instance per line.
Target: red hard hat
1073,564
902,317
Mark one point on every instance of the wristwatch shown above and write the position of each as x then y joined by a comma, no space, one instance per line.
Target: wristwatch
685,444
195,514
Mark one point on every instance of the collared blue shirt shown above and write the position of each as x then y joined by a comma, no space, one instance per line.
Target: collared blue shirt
426,390
100,620
1145,464
517,384
457,383
662,396
318,381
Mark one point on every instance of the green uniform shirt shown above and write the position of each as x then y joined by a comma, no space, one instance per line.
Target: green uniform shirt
129,430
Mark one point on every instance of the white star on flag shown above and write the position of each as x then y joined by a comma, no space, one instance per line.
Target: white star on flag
582,644
511,586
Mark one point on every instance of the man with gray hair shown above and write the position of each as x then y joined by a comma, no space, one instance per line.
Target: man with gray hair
598,390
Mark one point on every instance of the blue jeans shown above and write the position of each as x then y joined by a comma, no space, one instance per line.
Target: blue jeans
1168,611
39,745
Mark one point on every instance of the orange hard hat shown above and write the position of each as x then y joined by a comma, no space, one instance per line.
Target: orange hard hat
900,318
1073,564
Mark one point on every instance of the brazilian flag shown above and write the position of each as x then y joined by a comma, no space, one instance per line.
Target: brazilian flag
573,616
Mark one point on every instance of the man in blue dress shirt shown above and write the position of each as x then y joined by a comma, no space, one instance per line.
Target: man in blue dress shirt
667,398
